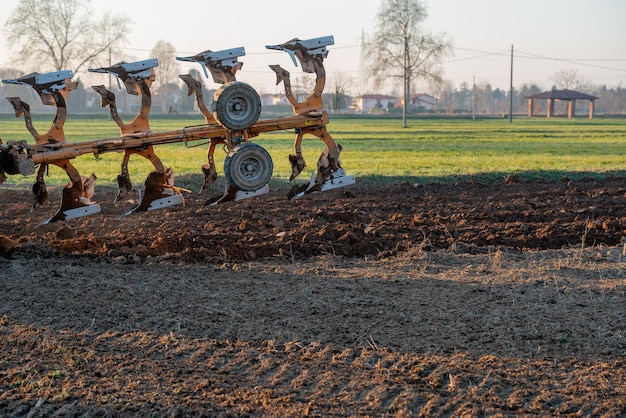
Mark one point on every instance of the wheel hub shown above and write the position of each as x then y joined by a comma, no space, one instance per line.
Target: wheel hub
248,167
236,106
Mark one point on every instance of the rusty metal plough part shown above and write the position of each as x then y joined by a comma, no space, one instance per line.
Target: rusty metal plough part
159,190
232,121
53,89
330,175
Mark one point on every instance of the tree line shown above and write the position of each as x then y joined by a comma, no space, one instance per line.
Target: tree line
64,34
464,99
482,99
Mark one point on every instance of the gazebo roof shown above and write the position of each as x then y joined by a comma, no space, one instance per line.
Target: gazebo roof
562,95
375,96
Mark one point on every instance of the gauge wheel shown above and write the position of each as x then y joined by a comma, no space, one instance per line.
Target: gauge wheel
236,106
248,167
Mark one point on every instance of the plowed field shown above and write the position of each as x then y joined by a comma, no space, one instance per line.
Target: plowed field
469,299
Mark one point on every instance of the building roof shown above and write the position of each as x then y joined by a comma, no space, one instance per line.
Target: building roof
418,95
562,95
375,96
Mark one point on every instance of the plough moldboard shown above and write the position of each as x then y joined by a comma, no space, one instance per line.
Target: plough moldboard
231,122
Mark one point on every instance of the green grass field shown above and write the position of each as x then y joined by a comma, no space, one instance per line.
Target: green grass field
378,150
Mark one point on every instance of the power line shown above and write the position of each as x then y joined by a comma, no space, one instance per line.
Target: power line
531,55
483,54
575,61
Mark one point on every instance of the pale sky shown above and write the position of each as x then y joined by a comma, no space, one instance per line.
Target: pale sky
547,36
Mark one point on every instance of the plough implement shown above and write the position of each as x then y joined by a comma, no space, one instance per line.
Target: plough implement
232,121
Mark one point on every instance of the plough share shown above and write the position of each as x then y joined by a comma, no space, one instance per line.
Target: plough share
231,122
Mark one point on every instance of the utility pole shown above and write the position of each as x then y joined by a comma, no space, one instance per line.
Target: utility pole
511,91
362,78
407,83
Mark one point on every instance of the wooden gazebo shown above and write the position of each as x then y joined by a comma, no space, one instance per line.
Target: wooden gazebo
569,96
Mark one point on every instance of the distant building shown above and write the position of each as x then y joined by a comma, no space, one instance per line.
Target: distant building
422,101
372,103
568,96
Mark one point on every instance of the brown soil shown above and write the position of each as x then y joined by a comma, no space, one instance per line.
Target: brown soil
440,300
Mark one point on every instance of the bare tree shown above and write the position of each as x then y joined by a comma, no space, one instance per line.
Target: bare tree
569,79
402,49
166,81
63,34
339,82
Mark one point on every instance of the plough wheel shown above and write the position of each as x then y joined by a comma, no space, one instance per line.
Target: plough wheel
236,106
248,167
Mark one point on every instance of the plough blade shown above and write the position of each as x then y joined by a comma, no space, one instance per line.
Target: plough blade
338,179
124,184
158,203
210,176
74,213
76,198
297,165
232,194
166,202
159,192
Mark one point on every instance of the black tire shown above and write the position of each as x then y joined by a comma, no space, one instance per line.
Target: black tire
248,167
236,106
